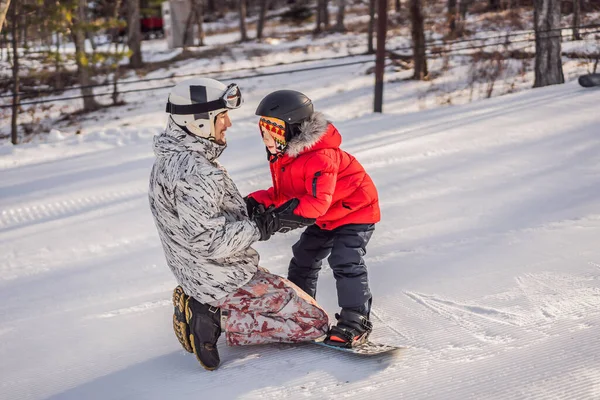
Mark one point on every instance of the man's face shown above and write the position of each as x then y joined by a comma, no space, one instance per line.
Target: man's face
222,122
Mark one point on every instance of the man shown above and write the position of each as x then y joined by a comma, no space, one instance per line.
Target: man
203,224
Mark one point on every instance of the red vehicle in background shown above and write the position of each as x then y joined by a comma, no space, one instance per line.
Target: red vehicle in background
152,27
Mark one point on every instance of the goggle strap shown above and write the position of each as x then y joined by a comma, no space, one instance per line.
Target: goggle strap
198,108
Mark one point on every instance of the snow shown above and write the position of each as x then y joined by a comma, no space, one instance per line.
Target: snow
485,265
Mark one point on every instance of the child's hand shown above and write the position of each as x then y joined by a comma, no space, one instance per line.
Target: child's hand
287,220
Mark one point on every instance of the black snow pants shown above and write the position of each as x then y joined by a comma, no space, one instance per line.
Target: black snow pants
345,247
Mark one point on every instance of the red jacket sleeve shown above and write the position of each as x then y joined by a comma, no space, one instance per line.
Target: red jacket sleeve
320,177
264,197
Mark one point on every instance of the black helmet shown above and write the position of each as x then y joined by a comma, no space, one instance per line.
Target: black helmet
288,105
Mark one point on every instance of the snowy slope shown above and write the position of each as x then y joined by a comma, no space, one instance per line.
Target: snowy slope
484,263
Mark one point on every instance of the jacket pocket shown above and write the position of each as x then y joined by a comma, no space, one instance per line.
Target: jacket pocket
314,183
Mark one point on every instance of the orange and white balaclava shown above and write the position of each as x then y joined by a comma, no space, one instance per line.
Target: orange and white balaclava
276,128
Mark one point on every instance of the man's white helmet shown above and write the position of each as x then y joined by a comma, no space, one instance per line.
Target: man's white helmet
195,103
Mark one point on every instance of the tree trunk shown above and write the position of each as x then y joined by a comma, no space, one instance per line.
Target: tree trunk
397,6
463,8
81,59
15,72
380,56
115,93
319,16
548,61
370,47
198,12
261,19
418,38
117,51
134,34
576,19
57,65
4,4
90,37
494,5
211,7
325,11
188,24
24,39
339,25
242,12
452,17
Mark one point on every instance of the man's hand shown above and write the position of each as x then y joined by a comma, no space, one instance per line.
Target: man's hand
251,205
266,222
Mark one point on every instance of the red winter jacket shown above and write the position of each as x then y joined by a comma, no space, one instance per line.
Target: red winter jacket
331,184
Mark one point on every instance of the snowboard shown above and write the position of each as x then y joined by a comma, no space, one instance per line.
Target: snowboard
366,349
589,80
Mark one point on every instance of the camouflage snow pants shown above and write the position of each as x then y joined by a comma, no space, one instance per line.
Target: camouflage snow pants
268,309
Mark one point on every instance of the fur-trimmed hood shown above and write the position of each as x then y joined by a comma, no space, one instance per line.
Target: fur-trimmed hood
312,131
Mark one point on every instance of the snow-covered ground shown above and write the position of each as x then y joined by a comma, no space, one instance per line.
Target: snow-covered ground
486,263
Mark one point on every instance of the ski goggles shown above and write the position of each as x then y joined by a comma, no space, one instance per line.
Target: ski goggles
231,99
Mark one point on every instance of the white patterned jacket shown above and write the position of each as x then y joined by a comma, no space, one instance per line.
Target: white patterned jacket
201,217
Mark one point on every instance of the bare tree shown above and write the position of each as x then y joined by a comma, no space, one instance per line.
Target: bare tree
325,11
452,17
463,7
81,59
4,4
242,12
548,62
134,33
370,47
118,52
319,16
187,39
211,7
15,17
418,38
198,12
576,19
260,26
339,25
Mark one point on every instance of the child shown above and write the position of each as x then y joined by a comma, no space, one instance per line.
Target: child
331,186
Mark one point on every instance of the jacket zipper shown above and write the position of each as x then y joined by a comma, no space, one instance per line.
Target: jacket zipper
314,185
275,173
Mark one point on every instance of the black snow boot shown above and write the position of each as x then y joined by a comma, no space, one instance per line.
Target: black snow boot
352,329
205,328
180,325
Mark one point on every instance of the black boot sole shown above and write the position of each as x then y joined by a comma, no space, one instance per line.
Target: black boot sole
202,340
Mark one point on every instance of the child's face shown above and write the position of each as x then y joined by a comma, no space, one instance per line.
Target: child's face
268,140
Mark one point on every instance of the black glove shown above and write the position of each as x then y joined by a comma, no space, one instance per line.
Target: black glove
266,222
287,220
251,205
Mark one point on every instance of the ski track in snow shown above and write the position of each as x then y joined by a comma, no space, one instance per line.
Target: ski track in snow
140,308
14,218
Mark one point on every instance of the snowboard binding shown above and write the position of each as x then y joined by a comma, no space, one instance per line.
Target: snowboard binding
352,329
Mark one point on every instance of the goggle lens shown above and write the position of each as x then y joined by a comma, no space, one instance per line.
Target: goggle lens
233,96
